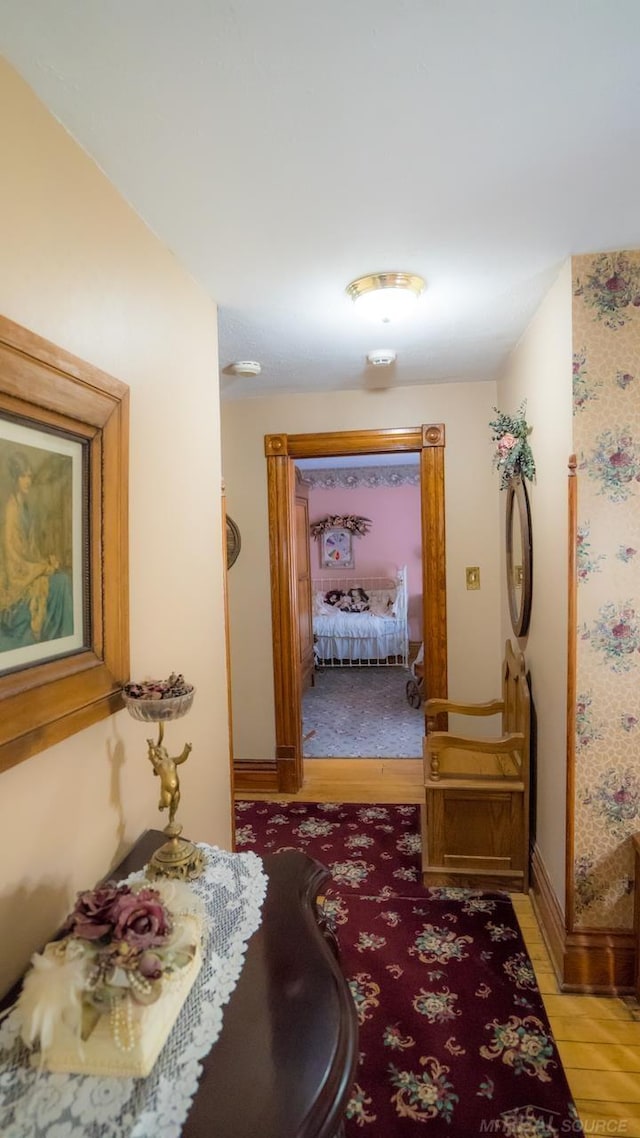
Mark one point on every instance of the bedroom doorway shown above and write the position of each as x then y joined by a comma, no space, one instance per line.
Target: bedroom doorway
282,451
354,702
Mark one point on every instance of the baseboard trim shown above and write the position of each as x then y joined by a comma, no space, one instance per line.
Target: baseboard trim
600,962
254,776
591,961
548,912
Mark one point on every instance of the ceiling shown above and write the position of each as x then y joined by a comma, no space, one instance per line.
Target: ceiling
281,149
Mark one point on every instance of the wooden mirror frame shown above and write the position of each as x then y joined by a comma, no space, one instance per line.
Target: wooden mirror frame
42,385
518,507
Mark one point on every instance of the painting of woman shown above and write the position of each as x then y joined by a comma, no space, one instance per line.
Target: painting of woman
35,592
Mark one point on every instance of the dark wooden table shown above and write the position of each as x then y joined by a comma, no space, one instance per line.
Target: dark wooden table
284,1062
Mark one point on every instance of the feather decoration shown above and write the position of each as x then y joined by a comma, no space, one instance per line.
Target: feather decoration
75,980
52,991
178,897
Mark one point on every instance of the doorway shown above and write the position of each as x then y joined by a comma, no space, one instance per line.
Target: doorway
354,700
282,451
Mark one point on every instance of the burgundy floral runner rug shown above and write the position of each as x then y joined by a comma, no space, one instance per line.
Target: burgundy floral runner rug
453,1031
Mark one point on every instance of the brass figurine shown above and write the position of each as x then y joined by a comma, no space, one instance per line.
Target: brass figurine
166,768
155,701
177,857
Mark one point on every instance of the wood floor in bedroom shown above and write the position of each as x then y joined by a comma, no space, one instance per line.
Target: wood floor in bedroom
598,1037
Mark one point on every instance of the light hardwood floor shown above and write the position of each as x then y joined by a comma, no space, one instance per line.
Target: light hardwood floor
356,780
598,1038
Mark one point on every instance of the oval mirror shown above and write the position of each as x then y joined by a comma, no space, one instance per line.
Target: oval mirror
519,556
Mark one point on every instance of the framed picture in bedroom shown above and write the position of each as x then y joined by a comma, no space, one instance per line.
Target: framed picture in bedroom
336,549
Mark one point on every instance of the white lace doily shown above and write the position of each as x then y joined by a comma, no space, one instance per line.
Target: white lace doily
36,1104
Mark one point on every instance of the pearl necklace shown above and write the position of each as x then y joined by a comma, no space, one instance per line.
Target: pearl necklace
123,1028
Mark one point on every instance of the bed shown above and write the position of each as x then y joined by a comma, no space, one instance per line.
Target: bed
375,637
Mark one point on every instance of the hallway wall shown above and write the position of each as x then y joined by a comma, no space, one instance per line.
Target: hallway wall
578,367
539,371
472,531
606,426
79,268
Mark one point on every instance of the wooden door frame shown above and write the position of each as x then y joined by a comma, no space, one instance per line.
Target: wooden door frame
281,453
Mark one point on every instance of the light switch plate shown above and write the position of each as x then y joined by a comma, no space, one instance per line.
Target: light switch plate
473,576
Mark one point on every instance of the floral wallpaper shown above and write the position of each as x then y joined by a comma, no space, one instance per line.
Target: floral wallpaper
606,415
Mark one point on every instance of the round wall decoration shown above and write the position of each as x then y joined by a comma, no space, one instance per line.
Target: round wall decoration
233,542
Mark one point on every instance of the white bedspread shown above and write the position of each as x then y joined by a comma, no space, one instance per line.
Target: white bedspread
358,636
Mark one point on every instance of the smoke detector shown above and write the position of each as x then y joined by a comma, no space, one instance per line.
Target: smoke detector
245,367
381,357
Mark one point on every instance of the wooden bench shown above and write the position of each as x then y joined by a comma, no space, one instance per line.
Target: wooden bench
475,818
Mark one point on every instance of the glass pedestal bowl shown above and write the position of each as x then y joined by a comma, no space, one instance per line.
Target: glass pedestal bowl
159,710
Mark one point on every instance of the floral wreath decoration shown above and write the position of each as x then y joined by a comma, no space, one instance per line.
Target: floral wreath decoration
513,454
356,525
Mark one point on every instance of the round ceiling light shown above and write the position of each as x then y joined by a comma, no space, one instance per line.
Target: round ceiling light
386,296
381,357
246,367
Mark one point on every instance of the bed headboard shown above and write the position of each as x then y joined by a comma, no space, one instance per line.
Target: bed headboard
397,586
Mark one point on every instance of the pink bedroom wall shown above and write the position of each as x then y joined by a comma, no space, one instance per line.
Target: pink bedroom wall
395,537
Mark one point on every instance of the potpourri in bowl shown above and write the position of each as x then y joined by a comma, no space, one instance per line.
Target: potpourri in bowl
157,700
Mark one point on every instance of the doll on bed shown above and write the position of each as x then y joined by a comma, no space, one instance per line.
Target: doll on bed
358,600
354,600
334,597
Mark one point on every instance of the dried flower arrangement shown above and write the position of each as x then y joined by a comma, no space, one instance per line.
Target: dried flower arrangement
158,700
174,686
119,949
513,454
356,525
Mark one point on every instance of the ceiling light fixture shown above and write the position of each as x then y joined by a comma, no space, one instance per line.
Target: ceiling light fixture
381,357
386,296
246,367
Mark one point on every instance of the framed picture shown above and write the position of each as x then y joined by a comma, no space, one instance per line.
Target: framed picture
45,579
64,627
336,549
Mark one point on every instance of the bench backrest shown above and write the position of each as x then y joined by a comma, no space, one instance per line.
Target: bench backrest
516,715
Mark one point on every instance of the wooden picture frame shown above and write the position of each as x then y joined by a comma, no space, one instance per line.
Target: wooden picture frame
336,548
51,401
